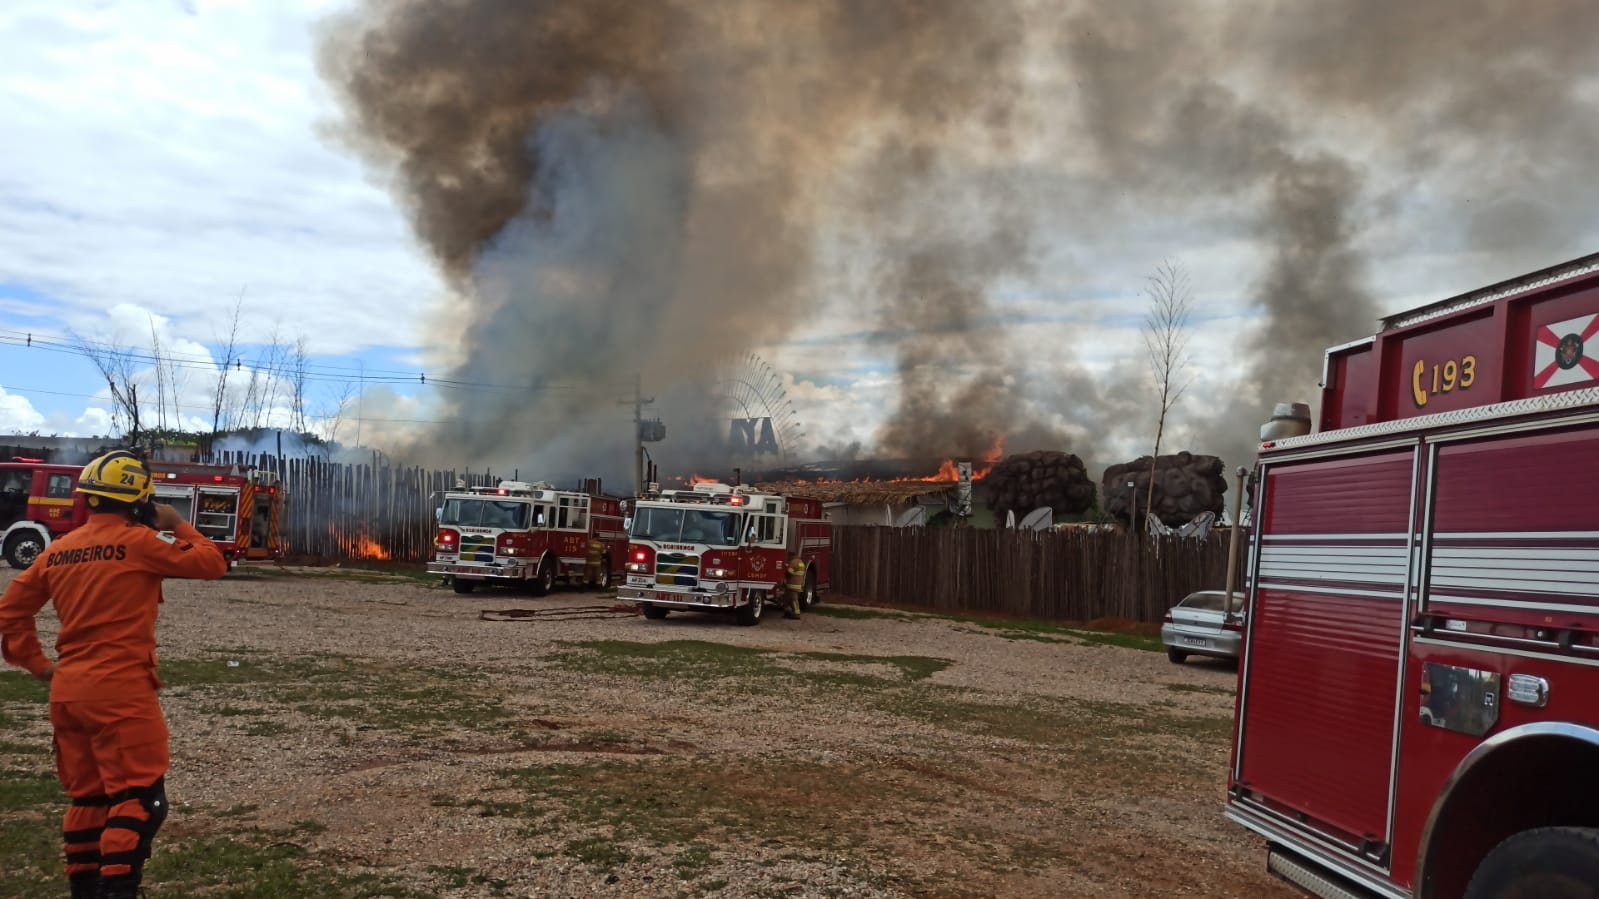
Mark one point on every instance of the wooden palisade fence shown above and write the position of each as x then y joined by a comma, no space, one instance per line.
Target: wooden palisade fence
354,511
1074,575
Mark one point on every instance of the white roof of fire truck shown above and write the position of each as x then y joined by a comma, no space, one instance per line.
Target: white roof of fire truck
517,489
711,493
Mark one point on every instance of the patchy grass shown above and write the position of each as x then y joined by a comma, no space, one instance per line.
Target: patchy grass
606,813
754,670
29,791
40,748
254,863
237,867
1145,642
414,700
685,804
20,686
30,856
858,613
913,668
598,853
1201,688
1009,628
692,860
369,572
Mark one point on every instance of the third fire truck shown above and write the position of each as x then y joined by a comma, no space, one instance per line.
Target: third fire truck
720,548
1418,704
525,534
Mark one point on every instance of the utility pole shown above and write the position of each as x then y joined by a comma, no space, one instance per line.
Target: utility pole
638,403
1232,545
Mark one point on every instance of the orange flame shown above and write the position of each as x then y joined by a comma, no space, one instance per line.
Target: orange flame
947,470
694,479
367,548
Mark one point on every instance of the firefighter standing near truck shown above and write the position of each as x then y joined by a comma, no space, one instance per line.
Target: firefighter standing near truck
110,735
595,565
794,583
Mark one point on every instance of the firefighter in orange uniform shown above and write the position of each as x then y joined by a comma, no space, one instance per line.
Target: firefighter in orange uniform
795,584
104,579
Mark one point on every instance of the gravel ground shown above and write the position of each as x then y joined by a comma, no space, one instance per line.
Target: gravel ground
378,726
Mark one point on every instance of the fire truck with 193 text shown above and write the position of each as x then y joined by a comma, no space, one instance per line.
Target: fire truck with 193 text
1418,693
720,548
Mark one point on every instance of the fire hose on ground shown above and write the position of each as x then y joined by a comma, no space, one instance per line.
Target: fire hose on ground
561,613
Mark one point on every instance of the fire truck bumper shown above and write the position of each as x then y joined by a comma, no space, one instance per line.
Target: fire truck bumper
679,599
493,571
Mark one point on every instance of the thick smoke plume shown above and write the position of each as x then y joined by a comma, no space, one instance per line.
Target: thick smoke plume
616,188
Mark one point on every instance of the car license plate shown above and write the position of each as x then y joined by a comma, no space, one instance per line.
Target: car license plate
1195,641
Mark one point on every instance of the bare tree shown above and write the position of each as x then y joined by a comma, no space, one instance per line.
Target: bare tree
297,373
116,367
266,379
219,399
160,376
333,419
1166,335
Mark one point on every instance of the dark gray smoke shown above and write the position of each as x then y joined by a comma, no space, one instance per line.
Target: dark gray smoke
620,187
613,187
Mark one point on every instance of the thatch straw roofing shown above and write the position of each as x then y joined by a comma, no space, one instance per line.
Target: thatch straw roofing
860,493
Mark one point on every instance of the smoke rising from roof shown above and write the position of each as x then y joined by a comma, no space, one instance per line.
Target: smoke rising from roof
612,187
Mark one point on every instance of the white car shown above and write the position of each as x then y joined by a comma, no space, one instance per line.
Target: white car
1204,624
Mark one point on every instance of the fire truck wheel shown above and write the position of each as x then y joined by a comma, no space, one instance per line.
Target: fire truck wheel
545,582
1546,863
749,614
23,548
463,586
602,581
654,612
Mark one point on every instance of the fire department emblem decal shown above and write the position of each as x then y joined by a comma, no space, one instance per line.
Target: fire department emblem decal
757,564
1560,354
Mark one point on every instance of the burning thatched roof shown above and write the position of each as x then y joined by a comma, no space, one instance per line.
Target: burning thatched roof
860,493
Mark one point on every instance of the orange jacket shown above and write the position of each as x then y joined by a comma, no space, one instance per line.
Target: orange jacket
105,580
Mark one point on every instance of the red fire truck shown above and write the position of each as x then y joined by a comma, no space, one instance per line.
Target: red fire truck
517,533
1418,695
37,506
715,547
240,510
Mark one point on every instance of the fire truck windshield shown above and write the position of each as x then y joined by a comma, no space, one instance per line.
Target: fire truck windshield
708,526
486,513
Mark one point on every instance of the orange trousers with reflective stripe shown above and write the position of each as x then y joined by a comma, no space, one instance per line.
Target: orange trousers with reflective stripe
103,749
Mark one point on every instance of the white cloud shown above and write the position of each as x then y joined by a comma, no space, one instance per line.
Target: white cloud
17,415
171,160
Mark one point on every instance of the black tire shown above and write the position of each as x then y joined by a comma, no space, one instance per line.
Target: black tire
1546,863
603,582
749,614
1176,656
544,583
654,612
463,586
23,548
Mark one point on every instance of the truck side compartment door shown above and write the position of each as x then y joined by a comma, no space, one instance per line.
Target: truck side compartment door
1331,581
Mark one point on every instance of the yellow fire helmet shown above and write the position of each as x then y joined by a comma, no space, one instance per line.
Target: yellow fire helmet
117,475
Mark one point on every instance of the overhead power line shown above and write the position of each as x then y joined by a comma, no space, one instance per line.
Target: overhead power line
485,419
285,368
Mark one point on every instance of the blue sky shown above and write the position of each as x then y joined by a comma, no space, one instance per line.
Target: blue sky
165,158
